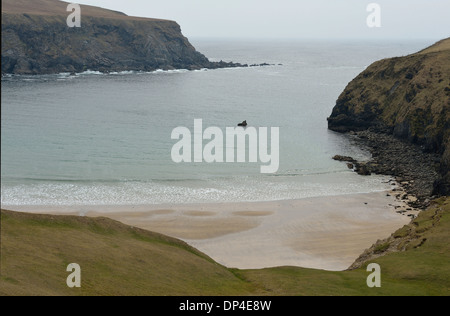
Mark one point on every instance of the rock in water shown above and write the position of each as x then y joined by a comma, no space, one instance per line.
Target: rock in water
344,158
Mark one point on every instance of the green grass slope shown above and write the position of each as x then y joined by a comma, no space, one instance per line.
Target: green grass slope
116,259
419,267
409,95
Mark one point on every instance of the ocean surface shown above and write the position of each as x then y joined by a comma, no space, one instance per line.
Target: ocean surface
105,139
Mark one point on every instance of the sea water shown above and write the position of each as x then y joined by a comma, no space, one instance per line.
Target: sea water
105,139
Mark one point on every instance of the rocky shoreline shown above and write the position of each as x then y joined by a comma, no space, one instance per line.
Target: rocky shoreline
399,108
414,170
414,174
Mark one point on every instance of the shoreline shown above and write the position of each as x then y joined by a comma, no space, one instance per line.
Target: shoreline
89,72
327,233
413,169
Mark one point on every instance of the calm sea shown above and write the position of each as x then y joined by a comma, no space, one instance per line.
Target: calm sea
105,139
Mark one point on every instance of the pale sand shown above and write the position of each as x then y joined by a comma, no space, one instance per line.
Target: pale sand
323,233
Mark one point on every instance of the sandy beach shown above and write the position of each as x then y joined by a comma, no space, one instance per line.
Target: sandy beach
326,233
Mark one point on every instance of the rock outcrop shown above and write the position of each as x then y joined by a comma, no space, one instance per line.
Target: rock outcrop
37,40
407,97
409,237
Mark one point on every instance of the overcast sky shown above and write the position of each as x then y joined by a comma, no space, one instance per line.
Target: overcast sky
330,19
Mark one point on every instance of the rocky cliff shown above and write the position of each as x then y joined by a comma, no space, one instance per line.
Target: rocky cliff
37,40
408,97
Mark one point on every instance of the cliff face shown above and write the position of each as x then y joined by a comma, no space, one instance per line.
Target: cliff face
408,97
37,40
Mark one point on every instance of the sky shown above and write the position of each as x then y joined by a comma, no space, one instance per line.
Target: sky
295,19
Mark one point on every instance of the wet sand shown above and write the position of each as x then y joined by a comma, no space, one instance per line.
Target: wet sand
323,233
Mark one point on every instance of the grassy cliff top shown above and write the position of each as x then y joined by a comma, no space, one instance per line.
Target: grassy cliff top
57,7
37,40
443,45
410,95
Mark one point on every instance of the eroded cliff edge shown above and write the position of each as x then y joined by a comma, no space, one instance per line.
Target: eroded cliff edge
408,98
37,40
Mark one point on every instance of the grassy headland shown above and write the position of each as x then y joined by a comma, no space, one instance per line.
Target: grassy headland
37,40
407,97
